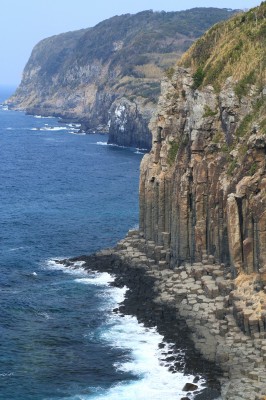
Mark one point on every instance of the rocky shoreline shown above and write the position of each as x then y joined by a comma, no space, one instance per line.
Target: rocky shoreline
194,306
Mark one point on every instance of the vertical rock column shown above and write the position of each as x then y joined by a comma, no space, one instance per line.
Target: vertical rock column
234,234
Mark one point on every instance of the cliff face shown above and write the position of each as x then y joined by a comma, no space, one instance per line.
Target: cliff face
108,77
203,185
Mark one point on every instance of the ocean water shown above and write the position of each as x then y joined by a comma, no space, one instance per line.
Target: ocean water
64,194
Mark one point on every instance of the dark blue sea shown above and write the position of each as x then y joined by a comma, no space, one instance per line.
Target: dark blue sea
64,194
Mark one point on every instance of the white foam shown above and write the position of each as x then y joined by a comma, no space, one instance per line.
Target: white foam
99,279
17,248
48,128
54,128
138,151
153,379
102,143
110,144
41,117
44,315
7,374
74,125
74,269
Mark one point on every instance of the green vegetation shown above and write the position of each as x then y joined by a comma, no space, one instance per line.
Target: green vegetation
253,169
243,150
225,148
218,137
170,72
234,48
147,32
263,126
198,78
232,166
172,152
242,130
242,86
208,112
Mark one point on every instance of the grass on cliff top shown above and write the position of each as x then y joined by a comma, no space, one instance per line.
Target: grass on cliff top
234,48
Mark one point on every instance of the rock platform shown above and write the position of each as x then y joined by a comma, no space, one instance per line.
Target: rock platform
228,331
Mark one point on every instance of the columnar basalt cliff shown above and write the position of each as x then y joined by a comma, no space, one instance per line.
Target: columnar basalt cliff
108,77
203,185
203,199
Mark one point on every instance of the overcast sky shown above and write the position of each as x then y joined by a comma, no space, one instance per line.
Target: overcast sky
23,23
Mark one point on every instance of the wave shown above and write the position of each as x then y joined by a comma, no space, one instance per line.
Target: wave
73,269
54,128
138,151
111,145
16,248
100,279
5,374
41,117
155,381
44,315
70,129
72,125
147,360
4,107
102,143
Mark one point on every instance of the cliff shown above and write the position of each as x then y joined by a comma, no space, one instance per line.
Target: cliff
203,185
203,200
108,77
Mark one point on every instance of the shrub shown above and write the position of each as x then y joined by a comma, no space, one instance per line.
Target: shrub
243,127
253,169
231,167
198,78
218,137
170,72
208,112
174,146
242,86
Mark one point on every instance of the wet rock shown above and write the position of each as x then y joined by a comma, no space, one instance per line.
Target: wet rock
190,387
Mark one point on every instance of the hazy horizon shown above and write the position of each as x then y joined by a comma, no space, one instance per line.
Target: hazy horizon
24,23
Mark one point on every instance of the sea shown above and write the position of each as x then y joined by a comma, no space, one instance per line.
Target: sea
64,194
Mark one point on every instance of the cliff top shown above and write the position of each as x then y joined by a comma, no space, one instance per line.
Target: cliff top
235,48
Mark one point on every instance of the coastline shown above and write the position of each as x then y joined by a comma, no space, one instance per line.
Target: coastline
191,306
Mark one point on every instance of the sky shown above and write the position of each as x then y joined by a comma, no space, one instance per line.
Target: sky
23,23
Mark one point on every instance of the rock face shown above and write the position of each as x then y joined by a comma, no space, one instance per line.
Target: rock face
108,77
128,124
203,185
